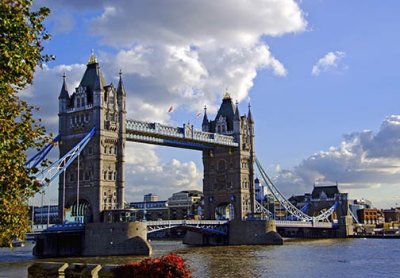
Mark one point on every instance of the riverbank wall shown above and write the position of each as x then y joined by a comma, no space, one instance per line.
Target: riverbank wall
260,232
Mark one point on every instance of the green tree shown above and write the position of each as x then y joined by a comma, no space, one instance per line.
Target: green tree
22,34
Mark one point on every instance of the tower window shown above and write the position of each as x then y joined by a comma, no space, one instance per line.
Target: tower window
78,102
110,175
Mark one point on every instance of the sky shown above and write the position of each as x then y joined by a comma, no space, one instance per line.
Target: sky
321,76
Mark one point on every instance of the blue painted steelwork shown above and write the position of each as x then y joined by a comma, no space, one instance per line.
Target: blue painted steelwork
66,227
40,156
206,226
46,176
289,207
305,207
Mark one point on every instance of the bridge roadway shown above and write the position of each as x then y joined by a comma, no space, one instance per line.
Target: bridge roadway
153,226
183,137
207,226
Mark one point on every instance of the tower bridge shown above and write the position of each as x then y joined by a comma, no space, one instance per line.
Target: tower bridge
95,182
227,145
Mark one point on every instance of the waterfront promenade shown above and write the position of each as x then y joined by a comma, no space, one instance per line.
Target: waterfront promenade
296,258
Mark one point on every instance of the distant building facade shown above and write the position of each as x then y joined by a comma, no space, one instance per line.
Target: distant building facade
44,215
150,198
150,210
259,190
369,216
185,204
392,215
321,199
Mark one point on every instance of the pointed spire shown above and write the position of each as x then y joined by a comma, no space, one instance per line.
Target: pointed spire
205,118
121,88
64,91
92,59
227,95
249,116
237,115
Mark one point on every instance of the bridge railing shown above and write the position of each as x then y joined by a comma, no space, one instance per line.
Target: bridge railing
186,132
304,224
187,222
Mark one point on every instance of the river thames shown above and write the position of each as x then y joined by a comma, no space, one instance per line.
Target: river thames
296,258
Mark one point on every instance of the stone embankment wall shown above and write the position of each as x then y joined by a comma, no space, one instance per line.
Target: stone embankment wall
254,232
61,270
240,233
110,239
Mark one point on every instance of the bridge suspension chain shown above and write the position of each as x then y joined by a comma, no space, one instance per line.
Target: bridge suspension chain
40,156
261,209
299,214
281,199
47,175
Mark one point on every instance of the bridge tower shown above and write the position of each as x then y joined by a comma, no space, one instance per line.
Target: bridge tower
228,183
98,183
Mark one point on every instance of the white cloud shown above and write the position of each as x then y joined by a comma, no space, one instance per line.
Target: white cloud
148,174
180,53
329,62
187,52
363,160
181,23
46,88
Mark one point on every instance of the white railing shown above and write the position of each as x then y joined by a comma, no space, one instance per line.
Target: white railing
186,132
302,224
216,225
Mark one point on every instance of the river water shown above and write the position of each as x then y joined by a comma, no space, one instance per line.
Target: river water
296,258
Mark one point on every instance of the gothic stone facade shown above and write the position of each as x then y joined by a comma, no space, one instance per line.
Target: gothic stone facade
101,175
228,183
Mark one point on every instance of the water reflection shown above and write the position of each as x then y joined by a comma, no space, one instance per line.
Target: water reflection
311,258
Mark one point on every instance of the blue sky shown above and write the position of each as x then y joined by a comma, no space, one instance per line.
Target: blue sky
334,123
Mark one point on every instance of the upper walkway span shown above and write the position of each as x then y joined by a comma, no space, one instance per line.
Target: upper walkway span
183,137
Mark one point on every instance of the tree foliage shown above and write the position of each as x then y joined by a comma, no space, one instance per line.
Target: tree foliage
22,34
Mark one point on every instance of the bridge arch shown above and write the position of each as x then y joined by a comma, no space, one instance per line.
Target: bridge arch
82,211
225,211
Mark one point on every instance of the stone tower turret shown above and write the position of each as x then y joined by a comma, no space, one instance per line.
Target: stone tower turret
206,123
228,183
97,182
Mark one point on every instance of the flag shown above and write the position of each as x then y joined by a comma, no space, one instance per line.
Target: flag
171,108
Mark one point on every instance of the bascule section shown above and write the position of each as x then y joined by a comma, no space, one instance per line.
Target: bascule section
228,184
95,179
